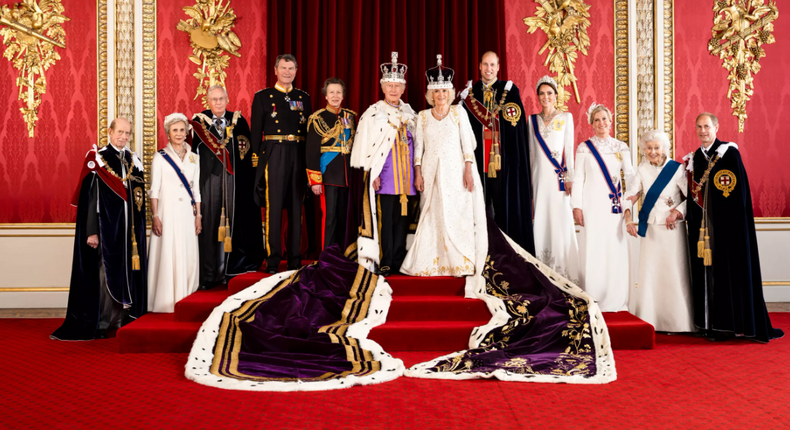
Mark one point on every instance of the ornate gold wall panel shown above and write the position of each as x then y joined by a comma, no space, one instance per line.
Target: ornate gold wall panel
149,89
124,62
101,61
669,72
645,66
621,106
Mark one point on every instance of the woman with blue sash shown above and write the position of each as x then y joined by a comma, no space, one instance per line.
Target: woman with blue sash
662,295
173,269
597,207
551,159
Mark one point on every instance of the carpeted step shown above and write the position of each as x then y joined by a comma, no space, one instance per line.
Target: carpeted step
626,331
157,333
403,285
424,335
240,282
198,306
444,308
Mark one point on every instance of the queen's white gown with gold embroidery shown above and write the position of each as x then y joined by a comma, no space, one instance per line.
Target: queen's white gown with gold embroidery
451,238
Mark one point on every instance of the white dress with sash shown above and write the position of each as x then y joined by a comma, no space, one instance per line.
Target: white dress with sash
604,254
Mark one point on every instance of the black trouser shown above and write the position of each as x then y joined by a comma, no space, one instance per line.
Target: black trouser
285,186
111,313
495,200
335,207
212,251
393,231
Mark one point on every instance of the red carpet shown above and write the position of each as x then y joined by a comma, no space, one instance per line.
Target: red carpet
685,382
426,314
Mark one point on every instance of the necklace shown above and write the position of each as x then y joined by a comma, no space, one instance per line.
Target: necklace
439,116
548,118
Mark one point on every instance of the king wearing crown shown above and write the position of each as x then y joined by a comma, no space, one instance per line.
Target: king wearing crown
496,113
384,149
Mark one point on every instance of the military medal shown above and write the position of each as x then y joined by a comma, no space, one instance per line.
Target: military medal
274,111
288,99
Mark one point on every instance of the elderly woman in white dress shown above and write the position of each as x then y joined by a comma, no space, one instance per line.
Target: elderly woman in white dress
551,160
451,233
662,294
598,208
173,270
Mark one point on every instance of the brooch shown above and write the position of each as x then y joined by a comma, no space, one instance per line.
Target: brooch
725,181
670,202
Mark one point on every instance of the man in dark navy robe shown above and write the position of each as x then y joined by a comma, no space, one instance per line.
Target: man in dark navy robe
727,283
108,272
231,242
498,121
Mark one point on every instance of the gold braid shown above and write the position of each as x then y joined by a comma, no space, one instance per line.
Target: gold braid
322,128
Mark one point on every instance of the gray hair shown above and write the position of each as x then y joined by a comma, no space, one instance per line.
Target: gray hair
655,136
713,119
216,87
285,57
174,118
429,96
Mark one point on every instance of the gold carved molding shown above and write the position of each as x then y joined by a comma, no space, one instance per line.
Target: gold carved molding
668,69
210,32
101,75
124,62
149,138
621,105
31,31
645,67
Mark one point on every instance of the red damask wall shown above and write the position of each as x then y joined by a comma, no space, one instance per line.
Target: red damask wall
595,71
176,86
38,175
701,85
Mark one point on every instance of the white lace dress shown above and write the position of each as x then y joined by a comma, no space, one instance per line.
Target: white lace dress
604,255
449,237
662,294
555,233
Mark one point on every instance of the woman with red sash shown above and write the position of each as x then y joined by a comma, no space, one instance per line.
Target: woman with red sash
173,272
662,295
551,160
597,207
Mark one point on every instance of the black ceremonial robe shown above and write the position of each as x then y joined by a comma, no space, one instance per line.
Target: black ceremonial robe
243,214
728,295
510,193
108,267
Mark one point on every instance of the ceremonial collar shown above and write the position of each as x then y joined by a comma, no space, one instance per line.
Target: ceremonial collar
711,148
333,110
119,150
283,90
220,116
488,86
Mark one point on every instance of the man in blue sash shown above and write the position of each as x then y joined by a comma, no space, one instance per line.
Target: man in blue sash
725,263
108,272
496,114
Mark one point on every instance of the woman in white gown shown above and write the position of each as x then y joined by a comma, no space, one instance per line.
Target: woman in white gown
451,233
551,160
662,294
173,269
597,206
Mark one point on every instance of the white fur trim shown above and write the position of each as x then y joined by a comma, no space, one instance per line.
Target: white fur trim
689,159
508,85
724,147
604,359
198,366
466,90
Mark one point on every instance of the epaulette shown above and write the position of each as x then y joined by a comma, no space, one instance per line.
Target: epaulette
301,91
316,113
351,111
263,89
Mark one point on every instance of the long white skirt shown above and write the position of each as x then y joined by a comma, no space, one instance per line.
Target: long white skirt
662,295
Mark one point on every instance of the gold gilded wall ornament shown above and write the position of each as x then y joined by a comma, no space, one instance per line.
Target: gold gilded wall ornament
740,28
31,30
565,22
210,35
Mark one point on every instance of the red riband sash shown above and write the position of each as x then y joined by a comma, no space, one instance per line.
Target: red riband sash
615,193
490,122
694,188
559,169
91,165
217,148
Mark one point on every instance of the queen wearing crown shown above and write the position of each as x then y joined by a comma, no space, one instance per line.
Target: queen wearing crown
551,162
451,236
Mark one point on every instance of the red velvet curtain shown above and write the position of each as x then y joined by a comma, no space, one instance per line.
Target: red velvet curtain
349,39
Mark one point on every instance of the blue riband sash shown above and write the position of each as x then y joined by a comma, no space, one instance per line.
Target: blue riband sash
559,169
182,177
615,194
654,192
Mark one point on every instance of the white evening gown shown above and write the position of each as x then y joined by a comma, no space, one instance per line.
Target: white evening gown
555,233
604,256
173,264
449,238
662,294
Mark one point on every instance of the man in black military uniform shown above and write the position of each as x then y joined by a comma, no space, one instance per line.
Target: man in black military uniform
330,134
498,121
231,242
279,126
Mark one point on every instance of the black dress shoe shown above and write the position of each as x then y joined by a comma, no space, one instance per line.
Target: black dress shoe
100,334
205,287
272,271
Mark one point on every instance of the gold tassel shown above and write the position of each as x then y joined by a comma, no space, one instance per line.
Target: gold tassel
708,254
404,205
228,246
498,159
221,231
492,164
701,243
135,254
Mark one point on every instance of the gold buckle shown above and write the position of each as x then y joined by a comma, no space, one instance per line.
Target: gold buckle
290,138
